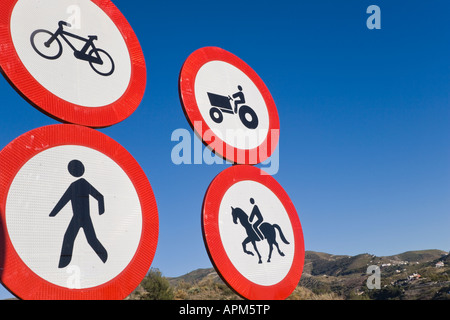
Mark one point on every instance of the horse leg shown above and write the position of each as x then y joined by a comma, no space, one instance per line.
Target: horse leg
256,249
270,250
269,234
279,251
273,241
244,244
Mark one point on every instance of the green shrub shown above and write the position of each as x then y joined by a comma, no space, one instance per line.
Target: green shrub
156,287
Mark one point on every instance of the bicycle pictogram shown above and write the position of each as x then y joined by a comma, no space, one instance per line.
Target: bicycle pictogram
48,45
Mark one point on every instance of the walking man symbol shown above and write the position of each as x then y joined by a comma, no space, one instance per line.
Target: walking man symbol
78,194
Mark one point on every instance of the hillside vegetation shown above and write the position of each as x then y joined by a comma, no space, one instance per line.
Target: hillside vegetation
413,275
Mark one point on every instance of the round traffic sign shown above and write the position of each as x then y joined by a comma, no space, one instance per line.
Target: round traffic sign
77,61
78,216
253,234
228,106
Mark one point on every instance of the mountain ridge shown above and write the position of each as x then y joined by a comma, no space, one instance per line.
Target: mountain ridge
409,275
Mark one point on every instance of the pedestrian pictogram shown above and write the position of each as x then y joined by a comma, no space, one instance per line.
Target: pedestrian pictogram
72,198
78,194
252,233
78,216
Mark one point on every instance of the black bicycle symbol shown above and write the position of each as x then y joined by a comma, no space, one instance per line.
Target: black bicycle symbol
48,46
222,104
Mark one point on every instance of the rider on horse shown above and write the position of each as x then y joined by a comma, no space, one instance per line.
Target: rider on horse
259,219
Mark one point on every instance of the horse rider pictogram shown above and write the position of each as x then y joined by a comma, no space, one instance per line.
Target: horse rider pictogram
258,231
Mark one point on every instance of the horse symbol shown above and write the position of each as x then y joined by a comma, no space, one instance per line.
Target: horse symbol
267,230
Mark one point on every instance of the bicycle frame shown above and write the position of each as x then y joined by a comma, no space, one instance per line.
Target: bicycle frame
80,54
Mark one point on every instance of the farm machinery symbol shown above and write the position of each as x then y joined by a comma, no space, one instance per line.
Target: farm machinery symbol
223,104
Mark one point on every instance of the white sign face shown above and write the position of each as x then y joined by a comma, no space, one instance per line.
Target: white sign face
228,106
49,204
258,265
253,234
231,104
73,49
79,216
77,61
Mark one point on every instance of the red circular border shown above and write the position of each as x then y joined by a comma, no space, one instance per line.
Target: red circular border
15,274
187,79
216,250
45,101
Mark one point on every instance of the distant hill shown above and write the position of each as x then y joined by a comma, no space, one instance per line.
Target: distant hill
418,256
317,263
196,276
410,275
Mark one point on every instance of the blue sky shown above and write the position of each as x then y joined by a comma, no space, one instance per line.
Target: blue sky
364,149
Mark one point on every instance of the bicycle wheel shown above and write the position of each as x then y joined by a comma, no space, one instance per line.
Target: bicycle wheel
248,117
107,67
39,41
